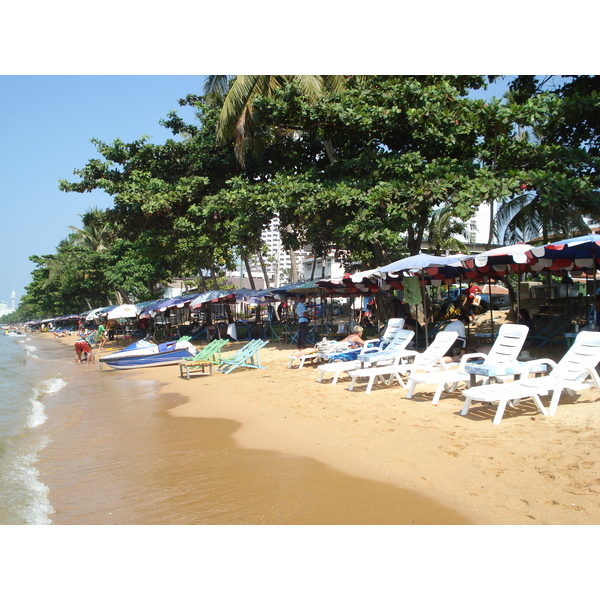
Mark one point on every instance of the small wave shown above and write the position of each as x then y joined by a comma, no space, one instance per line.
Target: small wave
27,496
51,386
37,414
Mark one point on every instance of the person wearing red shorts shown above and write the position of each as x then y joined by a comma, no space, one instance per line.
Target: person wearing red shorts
81,348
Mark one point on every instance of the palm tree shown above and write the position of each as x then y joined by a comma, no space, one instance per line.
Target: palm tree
443,226
236,119
95,234
525,218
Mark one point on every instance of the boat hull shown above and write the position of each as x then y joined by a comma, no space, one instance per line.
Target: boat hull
151,356
150,360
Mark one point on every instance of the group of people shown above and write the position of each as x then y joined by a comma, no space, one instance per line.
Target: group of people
83,349
355,338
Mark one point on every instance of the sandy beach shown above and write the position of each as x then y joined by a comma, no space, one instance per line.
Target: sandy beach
530,469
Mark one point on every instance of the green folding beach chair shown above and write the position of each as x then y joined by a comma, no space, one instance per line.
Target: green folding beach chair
209,355
247,356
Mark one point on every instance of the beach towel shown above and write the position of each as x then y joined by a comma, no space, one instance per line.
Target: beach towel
412,290
344,356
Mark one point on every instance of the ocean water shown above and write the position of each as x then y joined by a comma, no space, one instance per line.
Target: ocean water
27,377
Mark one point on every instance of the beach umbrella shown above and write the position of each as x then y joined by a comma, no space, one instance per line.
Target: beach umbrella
307,287
575,255
418,265
500,261
124,311
420,262
363,282
98,312
213,295
579,253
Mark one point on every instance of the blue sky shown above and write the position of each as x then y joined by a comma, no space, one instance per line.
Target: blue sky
46,123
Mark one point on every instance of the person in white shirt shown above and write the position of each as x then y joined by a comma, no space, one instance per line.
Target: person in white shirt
460,344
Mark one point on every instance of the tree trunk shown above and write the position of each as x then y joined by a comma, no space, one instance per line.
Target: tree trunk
122,297
491,234
330,151
314,266
202,279
249,271
293,266
264,269
214,279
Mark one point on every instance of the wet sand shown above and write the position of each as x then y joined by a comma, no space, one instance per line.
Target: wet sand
309,452
119,456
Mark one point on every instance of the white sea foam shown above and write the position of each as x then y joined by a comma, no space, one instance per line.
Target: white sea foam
33,506
30,351
37,414
51,386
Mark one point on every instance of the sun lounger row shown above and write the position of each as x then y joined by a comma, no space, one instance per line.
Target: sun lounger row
498,377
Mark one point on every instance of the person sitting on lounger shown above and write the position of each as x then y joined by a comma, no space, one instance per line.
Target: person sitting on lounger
460,345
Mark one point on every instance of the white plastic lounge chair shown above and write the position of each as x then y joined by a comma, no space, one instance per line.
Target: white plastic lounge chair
505,349
392,327
575,371
370,352
430,359
394,352
324,350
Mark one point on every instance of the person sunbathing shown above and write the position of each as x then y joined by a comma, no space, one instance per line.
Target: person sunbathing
354,339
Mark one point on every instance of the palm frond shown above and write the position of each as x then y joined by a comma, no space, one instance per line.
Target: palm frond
217,84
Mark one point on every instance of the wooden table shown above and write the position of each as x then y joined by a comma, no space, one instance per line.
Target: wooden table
186,365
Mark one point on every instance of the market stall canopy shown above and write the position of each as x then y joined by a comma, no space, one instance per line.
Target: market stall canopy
308,287
211,296
124,311
362,282
576,255
498,262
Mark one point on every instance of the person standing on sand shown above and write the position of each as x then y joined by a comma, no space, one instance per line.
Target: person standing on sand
103,340
99,333
303,318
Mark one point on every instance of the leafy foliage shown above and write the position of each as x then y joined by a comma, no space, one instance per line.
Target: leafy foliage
365,166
